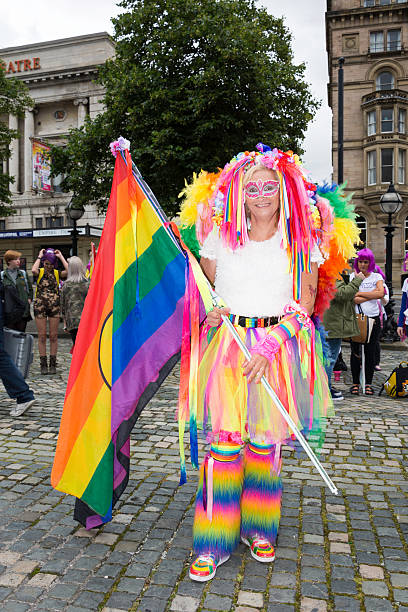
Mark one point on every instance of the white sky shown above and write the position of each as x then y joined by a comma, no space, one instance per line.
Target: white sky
29,22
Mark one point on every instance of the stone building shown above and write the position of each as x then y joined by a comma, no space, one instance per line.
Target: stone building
372,36
60,76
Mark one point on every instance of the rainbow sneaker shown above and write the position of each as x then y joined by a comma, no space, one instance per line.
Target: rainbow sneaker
205,566
261,549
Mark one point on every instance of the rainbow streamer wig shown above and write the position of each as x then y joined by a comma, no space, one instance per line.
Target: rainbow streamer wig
226,206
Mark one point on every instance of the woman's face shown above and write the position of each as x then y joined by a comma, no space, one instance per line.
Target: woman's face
48,265
363,266
262,194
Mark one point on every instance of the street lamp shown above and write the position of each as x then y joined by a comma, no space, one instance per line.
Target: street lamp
390,203
74,212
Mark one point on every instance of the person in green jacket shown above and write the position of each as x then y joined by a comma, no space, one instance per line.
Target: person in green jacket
18,280
339,321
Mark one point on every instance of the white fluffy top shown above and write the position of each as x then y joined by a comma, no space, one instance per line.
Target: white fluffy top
253,280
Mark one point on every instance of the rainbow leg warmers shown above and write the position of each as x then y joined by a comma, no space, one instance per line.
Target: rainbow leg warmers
237,496
262,492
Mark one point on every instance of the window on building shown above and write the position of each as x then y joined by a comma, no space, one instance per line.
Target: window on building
362,226
54,222
401,166
38,223
402,116
2,224
385,80
376,42
387,120
371,123
384,2
369,3
393,40
372,167
387,165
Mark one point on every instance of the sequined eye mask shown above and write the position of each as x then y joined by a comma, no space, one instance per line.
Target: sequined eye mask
256,189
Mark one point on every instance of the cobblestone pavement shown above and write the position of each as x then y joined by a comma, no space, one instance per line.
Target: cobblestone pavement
334,553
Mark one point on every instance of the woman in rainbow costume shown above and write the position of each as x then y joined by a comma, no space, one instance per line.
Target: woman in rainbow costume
263,234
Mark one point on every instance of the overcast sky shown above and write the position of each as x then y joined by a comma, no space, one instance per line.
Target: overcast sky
28,22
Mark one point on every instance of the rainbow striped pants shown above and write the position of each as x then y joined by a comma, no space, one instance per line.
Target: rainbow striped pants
238,494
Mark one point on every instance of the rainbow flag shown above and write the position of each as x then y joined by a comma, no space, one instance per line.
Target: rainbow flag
128,341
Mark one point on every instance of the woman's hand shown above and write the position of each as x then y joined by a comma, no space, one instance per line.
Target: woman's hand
400,332
58,253
256,368
214,316
41,253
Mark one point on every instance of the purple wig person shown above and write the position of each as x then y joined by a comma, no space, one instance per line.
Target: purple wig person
50,256
368,255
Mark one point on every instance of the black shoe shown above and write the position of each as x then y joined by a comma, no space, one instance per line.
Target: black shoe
337,395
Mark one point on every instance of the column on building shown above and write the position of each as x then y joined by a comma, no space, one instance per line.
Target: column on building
82,104
28,150
14,157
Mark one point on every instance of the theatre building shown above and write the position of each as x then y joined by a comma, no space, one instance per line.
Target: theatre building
372,36
60,76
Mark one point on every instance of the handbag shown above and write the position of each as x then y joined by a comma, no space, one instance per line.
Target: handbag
362,322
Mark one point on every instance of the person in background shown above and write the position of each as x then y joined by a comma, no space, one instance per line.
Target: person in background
370,293
383,317
47,304
10,375
73,294
403,314
13,277
339,321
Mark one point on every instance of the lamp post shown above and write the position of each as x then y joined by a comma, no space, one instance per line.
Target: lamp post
390,203
74,212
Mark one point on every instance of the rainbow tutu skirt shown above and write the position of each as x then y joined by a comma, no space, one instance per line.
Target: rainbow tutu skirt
231,409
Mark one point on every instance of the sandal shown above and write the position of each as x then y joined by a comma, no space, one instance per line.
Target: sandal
369,390
355,390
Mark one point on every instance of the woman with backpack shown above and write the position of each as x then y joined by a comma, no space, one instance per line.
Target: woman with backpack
18,292
47,304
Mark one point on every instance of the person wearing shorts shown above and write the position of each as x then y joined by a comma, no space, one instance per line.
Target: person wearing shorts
47,304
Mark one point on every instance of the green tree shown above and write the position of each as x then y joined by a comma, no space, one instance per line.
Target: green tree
192,83
14,100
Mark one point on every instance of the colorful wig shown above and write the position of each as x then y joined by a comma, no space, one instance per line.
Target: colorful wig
226,198
50,256
365,254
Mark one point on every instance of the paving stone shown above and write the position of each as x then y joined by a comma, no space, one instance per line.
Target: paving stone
377,605
246,598
121,600
377,588
346,604
215,602
281,595
312,605
185,604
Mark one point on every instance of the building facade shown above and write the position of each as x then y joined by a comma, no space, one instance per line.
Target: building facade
372,36
60,76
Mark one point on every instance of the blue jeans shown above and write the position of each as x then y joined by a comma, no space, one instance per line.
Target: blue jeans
334,350
11,376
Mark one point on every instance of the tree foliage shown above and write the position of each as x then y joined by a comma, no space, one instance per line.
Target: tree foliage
14,100
192,83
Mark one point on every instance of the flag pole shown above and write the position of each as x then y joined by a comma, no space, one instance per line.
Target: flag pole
303,442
